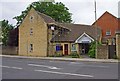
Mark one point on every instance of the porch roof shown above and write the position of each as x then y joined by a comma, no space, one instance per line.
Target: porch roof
76,31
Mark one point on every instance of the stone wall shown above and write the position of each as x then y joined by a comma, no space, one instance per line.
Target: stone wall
9,50
118,45
102,52
38,38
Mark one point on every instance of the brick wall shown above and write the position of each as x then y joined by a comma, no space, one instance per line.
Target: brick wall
107,22
102,52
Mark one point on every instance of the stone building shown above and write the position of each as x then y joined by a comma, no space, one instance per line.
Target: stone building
40,35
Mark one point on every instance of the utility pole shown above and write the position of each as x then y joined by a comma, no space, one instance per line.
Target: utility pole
96,25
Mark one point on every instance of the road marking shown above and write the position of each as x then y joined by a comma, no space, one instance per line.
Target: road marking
64,73
75,63
50,67
96,66
81,64
11,67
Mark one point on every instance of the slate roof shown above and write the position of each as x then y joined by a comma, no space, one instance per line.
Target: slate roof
76,30
46,18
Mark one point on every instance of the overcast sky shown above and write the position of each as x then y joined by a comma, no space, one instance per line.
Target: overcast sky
82,10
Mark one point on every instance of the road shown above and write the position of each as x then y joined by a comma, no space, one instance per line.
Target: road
26,68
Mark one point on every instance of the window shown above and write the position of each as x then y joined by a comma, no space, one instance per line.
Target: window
31,18
31,47
59,47
108,33
73,47
31,31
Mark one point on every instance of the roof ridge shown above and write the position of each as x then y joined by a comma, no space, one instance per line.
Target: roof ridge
45,16
103,15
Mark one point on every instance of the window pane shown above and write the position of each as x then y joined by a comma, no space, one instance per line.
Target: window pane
31,47
73,47
31,31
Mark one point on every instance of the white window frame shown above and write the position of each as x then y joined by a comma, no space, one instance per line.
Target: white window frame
108,33
73,47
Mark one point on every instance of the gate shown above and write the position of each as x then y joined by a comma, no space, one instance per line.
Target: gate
111,51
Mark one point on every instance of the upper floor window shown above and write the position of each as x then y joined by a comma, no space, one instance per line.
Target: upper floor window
108,33
31,18
31,31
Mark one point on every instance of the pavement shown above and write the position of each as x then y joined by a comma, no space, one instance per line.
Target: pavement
20,67
67,59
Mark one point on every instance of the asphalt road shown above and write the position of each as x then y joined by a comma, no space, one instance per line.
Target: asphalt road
21,68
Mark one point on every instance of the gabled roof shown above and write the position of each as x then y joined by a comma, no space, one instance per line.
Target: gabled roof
103,15
46,18
82,36
76,31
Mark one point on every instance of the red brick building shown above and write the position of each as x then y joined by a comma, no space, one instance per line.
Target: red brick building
108,24
119,24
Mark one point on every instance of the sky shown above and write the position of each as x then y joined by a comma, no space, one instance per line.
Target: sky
82,10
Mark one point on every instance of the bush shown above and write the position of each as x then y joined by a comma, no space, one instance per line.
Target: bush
74,55
115,57
58,55
92,51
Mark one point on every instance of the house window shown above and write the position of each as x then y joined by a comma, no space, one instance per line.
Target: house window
31,18
31,47
31,31
108,33
59,47
73,46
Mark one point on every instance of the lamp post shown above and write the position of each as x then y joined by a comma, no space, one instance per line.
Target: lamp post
96,27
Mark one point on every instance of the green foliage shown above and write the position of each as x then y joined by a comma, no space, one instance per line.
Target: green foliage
6,27
74,55
92,50
57,11
58,55
115,57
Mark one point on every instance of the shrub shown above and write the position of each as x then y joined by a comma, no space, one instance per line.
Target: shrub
58,55
74,55
92,51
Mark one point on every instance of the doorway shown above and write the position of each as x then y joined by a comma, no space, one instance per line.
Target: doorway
111,51
66,49
85,48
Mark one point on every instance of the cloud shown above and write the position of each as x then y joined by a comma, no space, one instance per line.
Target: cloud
82,10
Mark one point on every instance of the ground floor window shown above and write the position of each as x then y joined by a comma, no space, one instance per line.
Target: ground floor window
59,47
31,47
73,47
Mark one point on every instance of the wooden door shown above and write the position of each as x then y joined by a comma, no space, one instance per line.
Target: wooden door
66,49
111,51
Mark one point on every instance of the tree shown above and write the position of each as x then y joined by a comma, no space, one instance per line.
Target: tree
57,11
6,28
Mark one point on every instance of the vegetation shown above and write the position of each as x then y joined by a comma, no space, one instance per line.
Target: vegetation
74,55
5,27
92,50
57,11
